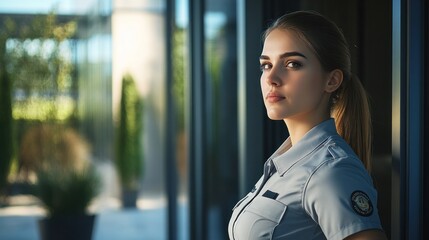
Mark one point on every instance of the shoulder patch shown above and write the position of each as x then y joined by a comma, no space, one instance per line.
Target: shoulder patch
361,203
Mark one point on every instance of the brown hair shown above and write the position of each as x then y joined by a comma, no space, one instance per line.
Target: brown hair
349,104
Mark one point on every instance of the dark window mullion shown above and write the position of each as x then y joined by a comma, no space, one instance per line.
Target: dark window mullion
197,123
415,76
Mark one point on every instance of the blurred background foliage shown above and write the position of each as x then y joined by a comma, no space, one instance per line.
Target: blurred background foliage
39,65
38,87
6,132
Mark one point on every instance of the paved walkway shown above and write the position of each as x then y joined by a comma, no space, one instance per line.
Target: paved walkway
20,223
113,225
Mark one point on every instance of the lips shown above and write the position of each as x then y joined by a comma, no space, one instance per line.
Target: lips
273,97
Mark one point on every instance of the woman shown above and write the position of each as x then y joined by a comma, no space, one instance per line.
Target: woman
315,186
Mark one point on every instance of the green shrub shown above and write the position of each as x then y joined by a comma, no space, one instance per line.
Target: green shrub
66,191
129,156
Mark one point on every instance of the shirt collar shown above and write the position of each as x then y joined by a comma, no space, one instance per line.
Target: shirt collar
287,155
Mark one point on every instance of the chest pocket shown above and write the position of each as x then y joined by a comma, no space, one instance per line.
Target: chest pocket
259,219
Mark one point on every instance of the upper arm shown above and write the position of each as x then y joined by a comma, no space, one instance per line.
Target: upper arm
340,197
367,235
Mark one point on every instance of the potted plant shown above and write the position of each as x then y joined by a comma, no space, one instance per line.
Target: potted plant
66,194
129,155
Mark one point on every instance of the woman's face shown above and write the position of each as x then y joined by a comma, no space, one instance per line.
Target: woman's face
292,81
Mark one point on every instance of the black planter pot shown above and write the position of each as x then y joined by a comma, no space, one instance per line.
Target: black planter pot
129,198
67,227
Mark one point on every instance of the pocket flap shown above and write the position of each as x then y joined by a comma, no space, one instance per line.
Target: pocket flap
268,208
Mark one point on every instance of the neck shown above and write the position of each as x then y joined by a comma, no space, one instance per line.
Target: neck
298,126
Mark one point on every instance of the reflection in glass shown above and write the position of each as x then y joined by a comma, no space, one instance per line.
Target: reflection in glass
221,114
180,76
71,83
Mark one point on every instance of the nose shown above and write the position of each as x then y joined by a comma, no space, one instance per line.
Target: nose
272,77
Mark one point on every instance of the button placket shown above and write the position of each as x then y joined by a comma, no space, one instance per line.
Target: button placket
269,170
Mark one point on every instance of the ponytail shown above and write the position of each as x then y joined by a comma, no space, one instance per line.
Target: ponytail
350,109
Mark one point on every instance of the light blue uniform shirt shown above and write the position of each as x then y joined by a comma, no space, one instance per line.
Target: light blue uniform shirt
316,189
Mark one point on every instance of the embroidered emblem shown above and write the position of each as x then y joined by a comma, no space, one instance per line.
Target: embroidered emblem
361,203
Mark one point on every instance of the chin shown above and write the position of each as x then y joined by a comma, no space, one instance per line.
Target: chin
275,119
274,116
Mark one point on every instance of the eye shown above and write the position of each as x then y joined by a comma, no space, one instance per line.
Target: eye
265,66
294,65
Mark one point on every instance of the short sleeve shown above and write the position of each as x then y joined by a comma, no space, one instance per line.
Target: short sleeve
340,197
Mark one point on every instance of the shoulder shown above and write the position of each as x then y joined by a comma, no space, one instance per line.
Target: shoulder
337,176
340,167
331,156
336,154
339,194
338,148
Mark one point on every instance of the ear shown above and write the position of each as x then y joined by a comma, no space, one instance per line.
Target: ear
335,78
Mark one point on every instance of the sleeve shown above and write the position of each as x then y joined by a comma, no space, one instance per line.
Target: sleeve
340,197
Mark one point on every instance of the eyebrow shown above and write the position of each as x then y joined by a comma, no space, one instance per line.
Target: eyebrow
285,55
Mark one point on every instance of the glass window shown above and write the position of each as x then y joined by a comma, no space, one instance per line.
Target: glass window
180,90
220,37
